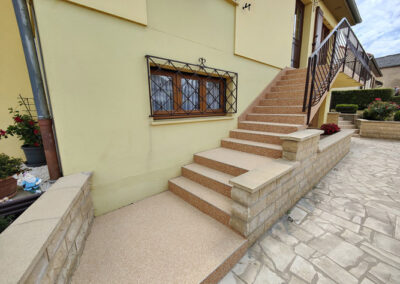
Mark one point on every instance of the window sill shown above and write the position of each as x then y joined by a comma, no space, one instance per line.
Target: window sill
190,120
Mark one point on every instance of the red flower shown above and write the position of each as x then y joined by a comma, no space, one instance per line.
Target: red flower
35,131
17,119
2,132
36,144
31,122
378,99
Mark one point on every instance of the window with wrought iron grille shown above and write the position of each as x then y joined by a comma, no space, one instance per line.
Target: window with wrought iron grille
179,89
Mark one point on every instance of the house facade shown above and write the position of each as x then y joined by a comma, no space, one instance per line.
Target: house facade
137,87
390,67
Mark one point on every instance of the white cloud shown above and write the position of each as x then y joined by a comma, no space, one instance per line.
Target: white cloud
379,31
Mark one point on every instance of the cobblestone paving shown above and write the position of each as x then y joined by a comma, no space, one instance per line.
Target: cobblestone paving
346,230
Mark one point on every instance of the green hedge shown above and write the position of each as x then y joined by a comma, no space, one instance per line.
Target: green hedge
346,108
397,116
362,98
395,99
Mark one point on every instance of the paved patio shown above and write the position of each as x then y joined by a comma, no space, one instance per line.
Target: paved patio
346,230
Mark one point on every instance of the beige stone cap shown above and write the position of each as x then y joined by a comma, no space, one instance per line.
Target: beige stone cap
333,112
25,240
333,139
258,178
378,121
302,135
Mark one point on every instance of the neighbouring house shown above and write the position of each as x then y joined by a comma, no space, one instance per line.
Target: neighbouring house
390,67
137,88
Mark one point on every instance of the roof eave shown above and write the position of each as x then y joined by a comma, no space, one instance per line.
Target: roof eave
354,11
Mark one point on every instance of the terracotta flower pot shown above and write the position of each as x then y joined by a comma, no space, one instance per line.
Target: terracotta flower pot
8,187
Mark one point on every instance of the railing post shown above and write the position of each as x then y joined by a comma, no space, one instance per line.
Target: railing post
314,68
332,60
307,83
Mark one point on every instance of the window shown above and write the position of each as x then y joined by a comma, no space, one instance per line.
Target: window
180,89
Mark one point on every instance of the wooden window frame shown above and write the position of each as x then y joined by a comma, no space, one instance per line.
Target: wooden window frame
178,111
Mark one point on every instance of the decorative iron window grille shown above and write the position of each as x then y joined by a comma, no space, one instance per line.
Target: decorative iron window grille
180,89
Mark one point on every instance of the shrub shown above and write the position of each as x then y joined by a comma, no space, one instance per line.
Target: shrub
396,116
379,110
9,166
330,128
347,108
395,100
362,98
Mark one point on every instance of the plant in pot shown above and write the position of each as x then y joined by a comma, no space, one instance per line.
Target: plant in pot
9,167
28,131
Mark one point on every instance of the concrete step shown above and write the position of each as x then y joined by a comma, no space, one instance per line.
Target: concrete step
203,198
285,95
282,102
284,128
302,76
278,118
352,126
289,88
296,71
230,161
213,179
258,148
293,81
256,136
279,109
345,122
160,239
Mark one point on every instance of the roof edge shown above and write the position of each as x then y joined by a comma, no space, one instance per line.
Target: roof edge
354,11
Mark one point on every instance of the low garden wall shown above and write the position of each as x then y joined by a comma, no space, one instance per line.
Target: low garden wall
262,196
379,129
43,245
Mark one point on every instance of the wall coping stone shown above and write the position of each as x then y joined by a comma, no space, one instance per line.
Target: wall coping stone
378,121
254,180
327,142
302,135
26,239
334,112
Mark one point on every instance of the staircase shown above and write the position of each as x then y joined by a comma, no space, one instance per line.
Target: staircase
255,143
348,124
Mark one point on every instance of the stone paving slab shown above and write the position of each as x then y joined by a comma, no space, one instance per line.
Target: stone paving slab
346,230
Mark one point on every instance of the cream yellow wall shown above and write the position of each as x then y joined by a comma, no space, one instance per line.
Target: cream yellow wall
265,32
132,10
99,90
14,79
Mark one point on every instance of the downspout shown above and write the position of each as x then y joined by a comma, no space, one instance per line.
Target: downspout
39,96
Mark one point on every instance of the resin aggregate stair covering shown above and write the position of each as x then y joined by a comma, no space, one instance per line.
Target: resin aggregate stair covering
256,143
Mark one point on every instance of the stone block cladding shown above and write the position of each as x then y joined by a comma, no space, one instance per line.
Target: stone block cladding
260,199
44,244
379,129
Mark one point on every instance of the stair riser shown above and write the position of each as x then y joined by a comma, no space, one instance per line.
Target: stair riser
268,128
291,82
277,119
228,169
278,110
281,102
296,71
285,95
207,182
256,137
293,88
200,204
294,77
347,126
346,123
272,153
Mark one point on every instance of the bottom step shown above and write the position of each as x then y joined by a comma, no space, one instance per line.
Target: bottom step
161,239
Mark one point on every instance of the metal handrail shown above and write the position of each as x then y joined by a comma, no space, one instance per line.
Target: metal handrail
339,49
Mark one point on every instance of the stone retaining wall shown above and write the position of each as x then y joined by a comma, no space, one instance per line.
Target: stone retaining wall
43,245
333,117
379,129
262,196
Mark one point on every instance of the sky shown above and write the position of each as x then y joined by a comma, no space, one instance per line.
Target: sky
379,31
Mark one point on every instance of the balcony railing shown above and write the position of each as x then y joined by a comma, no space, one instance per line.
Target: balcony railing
340,51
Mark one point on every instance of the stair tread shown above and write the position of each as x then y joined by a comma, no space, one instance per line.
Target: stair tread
235,158
204,193
253,143
291,106
258,132
277,114
271,123
210,173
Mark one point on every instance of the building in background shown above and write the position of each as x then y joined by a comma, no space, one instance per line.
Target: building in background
390,67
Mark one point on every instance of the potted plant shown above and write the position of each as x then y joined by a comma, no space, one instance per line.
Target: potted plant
28,131
8,167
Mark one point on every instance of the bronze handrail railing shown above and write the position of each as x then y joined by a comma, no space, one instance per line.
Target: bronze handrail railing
341,49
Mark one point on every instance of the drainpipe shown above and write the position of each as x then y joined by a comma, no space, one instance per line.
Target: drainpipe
39,96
